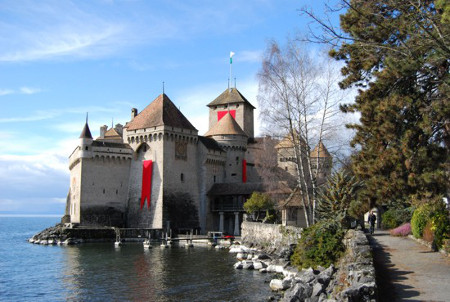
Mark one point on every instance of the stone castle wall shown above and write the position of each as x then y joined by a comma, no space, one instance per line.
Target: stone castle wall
269,237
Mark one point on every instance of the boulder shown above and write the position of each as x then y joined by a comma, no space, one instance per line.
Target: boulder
299,292
277,284
257,265
238,265
247,264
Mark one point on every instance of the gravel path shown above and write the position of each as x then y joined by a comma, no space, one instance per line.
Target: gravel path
409,271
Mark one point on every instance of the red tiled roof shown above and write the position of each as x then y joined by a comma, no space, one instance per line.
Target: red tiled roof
230,96
226,126
160,112
320,151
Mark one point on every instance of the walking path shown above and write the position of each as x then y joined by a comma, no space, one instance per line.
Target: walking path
409,271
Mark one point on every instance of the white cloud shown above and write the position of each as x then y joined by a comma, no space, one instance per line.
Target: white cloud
29,90
6,91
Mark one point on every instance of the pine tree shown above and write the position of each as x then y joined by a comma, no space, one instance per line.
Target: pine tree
398,52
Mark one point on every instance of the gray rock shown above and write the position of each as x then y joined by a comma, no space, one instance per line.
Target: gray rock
299,292
258,265
325,276
247,264
317,289
306,276
277,285
238,265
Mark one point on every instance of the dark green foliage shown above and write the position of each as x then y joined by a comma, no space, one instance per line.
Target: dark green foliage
434,212
321,244
395,217
399,53
336,198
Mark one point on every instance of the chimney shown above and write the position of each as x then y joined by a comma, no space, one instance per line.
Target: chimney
134,112
103,131
119,129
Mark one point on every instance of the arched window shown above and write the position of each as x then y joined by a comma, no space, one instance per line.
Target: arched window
182,177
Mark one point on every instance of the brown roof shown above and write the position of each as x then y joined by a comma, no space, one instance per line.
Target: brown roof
293,200
160,112
226,126
86,132
209,143
112,134
97,143
320,151
286,142
230,96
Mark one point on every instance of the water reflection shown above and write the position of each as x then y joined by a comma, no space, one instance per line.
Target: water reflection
100,272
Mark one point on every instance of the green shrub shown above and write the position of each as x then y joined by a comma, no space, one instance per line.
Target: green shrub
321,244
395,217
440,225
420,218
436,215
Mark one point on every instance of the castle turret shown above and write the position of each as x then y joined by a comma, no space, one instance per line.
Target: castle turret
233,102
321,161
230,136
86,142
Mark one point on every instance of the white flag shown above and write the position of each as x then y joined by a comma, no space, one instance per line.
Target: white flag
231,57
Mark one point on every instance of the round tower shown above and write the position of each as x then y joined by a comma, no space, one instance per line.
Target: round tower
86,142
230,136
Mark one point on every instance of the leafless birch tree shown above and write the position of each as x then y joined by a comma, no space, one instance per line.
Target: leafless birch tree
298,97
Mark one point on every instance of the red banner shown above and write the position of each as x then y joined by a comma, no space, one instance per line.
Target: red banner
221,114
244,171
146,182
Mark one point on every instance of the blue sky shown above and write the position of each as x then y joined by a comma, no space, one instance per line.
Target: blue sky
61,59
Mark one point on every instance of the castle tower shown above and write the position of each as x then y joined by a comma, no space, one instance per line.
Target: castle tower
86,142
232,101
321,161
163,135
233,140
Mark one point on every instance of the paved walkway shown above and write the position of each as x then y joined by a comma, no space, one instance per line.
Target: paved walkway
409,271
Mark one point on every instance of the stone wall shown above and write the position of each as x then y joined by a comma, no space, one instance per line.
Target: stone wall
269,237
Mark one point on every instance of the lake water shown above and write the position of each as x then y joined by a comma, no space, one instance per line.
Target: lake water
101,272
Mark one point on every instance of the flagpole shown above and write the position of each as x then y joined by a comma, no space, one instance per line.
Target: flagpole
231,64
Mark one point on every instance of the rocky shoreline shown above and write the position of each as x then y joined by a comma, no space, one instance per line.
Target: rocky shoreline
352,279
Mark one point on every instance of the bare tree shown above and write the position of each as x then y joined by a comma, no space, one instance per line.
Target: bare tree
299,97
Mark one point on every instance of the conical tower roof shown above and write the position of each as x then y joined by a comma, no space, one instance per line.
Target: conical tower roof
160,112
287,142
86,133
230,96
320,151
226,126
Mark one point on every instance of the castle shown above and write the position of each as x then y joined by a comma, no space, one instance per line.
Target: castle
157,172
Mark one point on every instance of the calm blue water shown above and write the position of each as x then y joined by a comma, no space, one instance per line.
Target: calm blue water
100,272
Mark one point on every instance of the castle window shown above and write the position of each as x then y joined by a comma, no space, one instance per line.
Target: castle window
86,148
233,174
182,177
214,178
103,191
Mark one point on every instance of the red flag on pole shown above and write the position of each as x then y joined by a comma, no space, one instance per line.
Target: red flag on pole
146,182
244,171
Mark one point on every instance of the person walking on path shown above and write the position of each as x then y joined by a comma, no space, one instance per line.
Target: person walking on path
372,219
